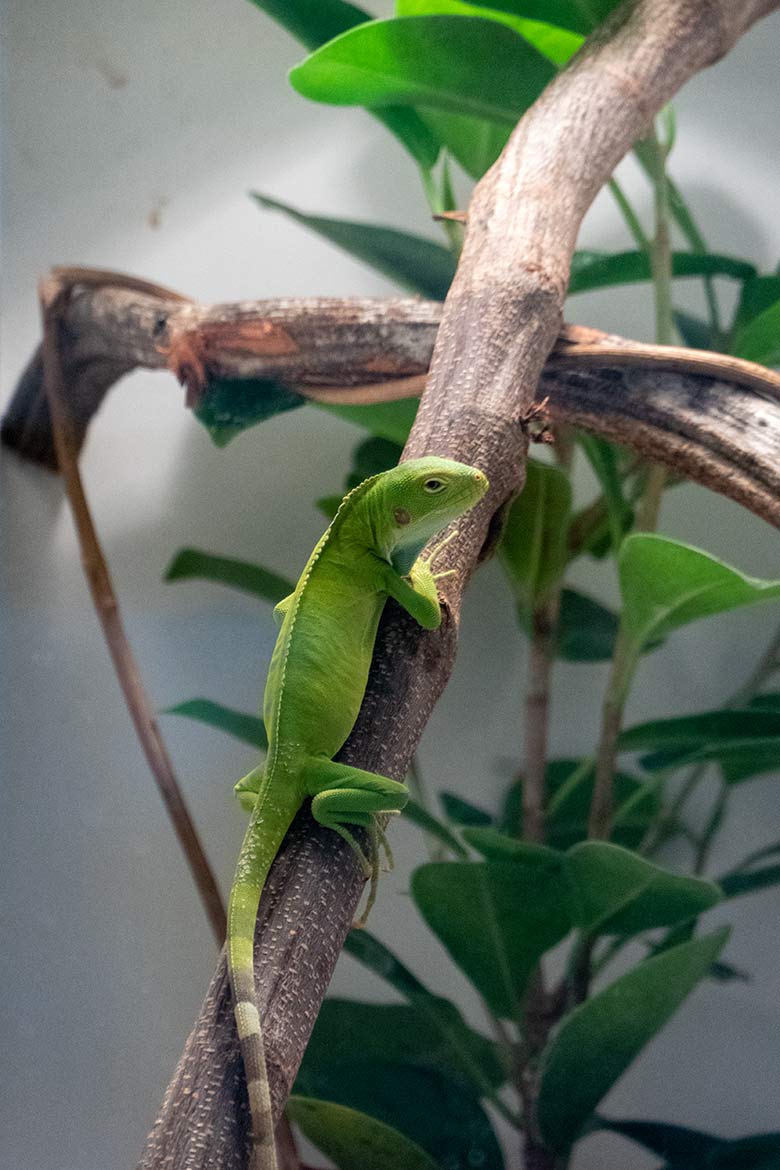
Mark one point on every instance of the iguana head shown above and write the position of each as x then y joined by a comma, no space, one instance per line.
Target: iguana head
419,498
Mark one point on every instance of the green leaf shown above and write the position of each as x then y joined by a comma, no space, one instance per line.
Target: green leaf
710,728
355,1141
371,457
245,727
430,1109
497,846
313,22
666,585
682,1148
603,458
533,546
414,812
229,406
695,333
759,340
571,14
350,1033
475,143
586,629
388,420
556,44
453,63
597,1042
568,806
496,919
195,564
613,891
591,270
413,262
462,812
759,293
735,885
760,1152
443,1015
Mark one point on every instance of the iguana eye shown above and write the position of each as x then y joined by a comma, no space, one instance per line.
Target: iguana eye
434,485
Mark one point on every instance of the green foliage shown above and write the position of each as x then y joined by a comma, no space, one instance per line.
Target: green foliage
413,262
415,812
229,406
586,628
603,458
496,919
591,270
248,728
744,743
462,812
353,1140
452,63
533,547
195,564
597,1041
690,1149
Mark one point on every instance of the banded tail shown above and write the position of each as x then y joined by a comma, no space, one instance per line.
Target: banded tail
263,838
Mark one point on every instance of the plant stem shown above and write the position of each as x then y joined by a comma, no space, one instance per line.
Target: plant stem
629,215
544,629
107,607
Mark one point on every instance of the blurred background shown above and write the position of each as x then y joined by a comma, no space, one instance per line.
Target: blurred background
131,135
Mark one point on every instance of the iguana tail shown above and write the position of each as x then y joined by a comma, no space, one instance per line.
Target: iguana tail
270,821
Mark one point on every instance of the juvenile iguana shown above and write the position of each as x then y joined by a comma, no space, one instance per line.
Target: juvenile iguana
315,685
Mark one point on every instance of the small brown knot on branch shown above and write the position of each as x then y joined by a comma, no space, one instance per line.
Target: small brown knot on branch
453,216
536,422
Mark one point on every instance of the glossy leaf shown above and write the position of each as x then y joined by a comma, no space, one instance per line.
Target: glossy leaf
591,270
533,546
195,564
430,1109
313,22
586,629
229,406
571,14
247,728
464,65
413,811
614,891
443,1015
353,1140
463,812
597,1042
666,585
349,1033
682,1148
497,846
709,728
759,340
413,262
496,919
568,806
556,44
388,420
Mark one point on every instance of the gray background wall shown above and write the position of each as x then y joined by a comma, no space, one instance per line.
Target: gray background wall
131,134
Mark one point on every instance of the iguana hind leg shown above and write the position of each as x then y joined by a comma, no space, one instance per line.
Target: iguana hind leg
343,796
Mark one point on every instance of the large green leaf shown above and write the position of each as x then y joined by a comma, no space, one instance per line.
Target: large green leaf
349,1033
498,846
571,14
419,816
475,143
614,891
194,564
313,22
759,293
568,805
556,44
388,420
533,546
744,743
460,64
591,270
413,262
496,919
759,340
353,1140
597,1041
248,728
666,585
682,1148
586,629
430,1109
443,1015
229,406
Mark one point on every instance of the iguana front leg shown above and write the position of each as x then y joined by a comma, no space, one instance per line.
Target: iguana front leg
417,592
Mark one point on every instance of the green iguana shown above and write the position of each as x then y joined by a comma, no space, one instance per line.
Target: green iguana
315,685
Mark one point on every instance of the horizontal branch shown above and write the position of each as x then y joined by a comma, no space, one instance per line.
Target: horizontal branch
711,417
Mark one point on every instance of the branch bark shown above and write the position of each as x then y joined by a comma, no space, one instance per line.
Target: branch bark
499,324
